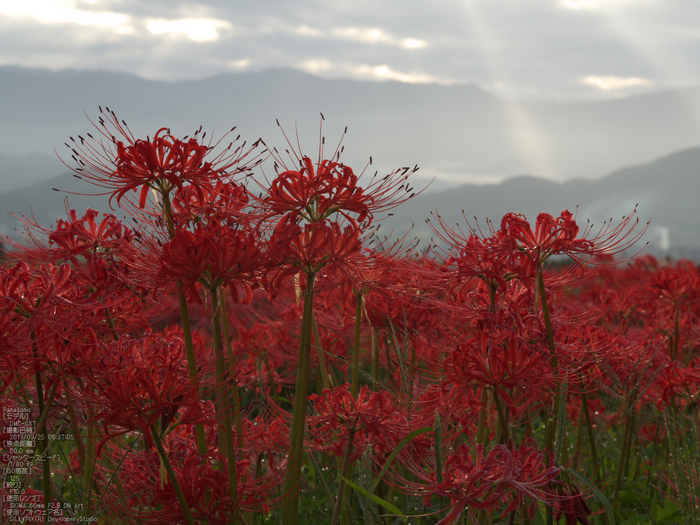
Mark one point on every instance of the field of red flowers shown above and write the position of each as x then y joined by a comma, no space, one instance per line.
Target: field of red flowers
243,347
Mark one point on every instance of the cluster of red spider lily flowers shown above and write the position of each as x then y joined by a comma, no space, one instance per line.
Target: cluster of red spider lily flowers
236,356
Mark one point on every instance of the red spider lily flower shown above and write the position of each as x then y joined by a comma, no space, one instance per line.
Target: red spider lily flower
162,163
560,235
35,290
504,358
317,245
225,202
679,382
371,418
205,487
551,235
213,255
142,382
268,439
51,324
69,239
503,477
377,270
316,194
151,497
489,257
316,191
85,235
672,301
676,284
58,296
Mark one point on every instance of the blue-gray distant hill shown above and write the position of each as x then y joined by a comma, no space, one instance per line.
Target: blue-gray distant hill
457,134
665,190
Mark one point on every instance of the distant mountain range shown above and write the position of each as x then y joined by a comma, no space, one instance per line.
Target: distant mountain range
665,190
456,134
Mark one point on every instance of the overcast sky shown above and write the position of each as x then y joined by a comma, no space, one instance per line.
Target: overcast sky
527,49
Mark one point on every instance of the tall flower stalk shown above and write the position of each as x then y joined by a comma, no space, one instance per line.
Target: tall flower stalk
311,200
295,457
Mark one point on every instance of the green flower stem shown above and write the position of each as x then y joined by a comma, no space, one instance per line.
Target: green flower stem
629,445
390,366
232,374
413,369
240,443
592,446
200,435
171,475
43,418
223,405
325,377
114,478
675,340
552,418
481,428
579,438
88,471
347,495
375,358
696,422
76,429
42,443
343,474
625,452
359,300
503,436
441,501
295,456
591,436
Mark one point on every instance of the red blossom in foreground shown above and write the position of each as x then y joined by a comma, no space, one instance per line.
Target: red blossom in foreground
551,235
316,191
488,256
121,163
560,236
224,202
372,418
507,358
510,478
75,237
316,245
142,382
152,498
213,255
34,290
315,194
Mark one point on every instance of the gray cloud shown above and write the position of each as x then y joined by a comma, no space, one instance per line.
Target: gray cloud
541,49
